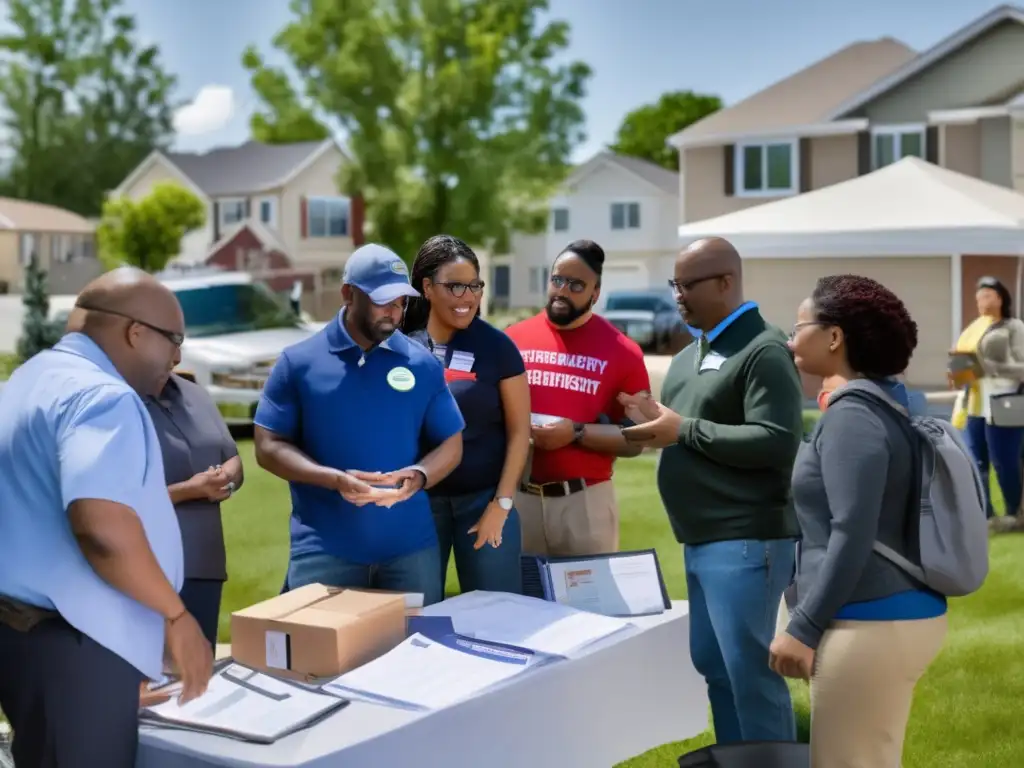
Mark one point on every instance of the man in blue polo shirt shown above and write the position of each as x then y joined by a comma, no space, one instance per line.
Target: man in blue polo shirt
341,417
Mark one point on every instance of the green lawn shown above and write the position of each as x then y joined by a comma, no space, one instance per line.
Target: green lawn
967,711
7,364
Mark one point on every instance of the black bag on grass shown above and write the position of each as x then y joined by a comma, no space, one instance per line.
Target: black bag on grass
750,754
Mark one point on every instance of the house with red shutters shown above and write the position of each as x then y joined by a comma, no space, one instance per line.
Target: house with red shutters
271,208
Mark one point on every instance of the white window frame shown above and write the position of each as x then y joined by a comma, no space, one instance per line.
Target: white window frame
739,167
897,131
27,244
626,204
272,202
223,203
554,219
328,199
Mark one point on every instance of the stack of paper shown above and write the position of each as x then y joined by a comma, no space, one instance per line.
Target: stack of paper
541,626
430,673
244,704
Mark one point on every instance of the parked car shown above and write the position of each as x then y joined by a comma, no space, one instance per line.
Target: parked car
650,318
235,329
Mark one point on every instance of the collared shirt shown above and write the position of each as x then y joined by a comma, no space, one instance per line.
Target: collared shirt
193,437
72,428
476,360
715,332
348,409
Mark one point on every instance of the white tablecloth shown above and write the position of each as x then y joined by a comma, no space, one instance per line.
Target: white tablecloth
621,697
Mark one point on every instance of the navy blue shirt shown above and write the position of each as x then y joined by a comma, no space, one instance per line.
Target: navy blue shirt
368,415
476,361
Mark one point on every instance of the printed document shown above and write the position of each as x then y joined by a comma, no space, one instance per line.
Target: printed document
613,586
248,705
424,673
541,626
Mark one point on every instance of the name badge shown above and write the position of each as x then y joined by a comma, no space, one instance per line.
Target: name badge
462,361
712,362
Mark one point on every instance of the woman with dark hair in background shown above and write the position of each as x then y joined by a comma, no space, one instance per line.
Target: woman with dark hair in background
474,506
996,337
862,631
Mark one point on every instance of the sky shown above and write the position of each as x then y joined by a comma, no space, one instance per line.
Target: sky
638,49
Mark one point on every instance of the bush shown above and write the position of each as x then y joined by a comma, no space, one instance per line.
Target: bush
810,420
38,332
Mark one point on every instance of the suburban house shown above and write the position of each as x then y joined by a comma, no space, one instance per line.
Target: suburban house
627,205
269,207
958,106
63,243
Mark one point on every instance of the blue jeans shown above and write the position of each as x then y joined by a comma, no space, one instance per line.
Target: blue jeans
496,569
734,592
1000,448
415,572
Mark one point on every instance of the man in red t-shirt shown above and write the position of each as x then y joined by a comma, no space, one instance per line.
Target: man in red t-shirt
577,364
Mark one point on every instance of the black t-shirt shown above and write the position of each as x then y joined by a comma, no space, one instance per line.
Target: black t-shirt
490,357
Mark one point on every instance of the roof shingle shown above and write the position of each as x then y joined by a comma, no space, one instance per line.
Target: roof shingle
250,167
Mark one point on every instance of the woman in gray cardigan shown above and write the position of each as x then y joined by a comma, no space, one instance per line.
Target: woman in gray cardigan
862,630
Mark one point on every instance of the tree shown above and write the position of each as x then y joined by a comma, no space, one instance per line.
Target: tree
75,85
147,233
457,117
644,130
38,332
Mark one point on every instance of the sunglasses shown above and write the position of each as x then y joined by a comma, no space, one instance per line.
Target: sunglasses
575,285
177,339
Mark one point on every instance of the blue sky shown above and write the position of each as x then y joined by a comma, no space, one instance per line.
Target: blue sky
638,49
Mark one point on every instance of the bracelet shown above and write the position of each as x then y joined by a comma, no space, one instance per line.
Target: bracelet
170,622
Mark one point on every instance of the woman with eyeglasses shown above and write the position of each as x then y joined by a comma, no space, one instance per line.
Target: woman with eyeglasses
473,507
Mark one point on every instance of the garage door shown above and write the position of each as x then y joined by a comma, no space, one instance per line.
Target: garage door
923,283
623,277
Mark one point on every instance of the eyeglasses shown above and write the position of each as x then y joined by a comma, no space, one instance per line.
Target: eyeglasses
177,339
680,286
806,324
575,284
458,290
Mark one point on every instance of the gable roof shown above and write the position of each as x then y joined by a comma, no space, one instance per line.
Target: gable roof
808,97
28,216
927,58
250,167
651,173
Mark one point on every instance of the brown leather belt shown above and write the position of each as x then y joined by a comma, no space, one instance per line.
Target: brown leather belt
554,490
23,617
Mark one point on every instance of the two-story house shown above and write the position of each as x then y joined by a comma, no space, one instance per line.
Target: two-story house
627,205
862,109
268,206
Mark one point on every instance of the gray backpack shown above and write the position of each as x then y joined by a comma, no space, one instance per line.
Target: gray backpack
947,531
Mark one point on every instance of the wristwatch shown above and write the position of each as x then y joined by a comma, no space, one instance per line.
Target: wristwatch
505,502
577,431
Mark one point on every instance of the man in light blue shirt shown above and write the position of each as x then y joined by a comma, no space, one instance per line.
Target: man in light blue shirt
90,550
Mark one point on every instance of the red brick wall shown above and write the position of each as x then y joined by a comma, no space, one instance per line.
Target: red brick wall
228,256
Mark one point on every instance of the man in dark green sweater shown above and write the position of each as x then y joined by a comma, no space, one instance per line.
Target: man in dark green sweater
729,423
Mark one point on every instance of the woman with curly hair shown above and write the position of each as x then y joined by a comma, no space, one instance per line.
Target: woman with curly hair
862,631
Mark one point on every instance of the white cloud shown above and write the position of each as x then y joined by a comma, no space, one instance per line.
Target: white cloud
211,110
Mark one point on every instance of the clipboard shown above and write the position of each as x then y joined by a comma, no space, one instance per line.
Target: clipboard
538,581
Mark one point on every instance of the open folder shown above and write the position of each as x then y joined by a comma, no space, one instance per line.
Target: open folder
618,584
425,673
243,704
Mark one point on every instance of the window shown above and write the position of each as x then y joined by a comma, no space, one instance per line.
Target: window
538,279
28,248
766,169
232,211
268,212
625,215
220,309
327,216
893,143
560,219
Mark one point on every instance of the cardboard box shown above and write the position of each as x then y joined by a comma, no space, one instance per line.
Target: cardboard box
317,631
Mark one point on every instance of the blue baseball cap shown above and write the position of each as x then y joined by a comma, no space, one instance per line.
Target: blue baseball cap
379,273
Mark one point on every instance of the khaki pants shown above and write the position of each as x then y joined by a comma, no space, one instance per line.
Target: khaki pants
863,686
583,523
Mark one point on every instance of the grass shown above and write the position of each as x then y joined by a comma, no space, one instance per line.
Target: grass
7,364
966,712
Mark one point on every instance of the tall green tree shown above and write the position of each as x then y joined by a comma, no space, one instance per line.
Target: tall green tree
38,332
644,130
458,116
147,233
82,102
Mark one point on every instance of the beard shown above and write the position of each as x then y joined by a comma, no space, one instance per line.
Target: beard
563,312
374,332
